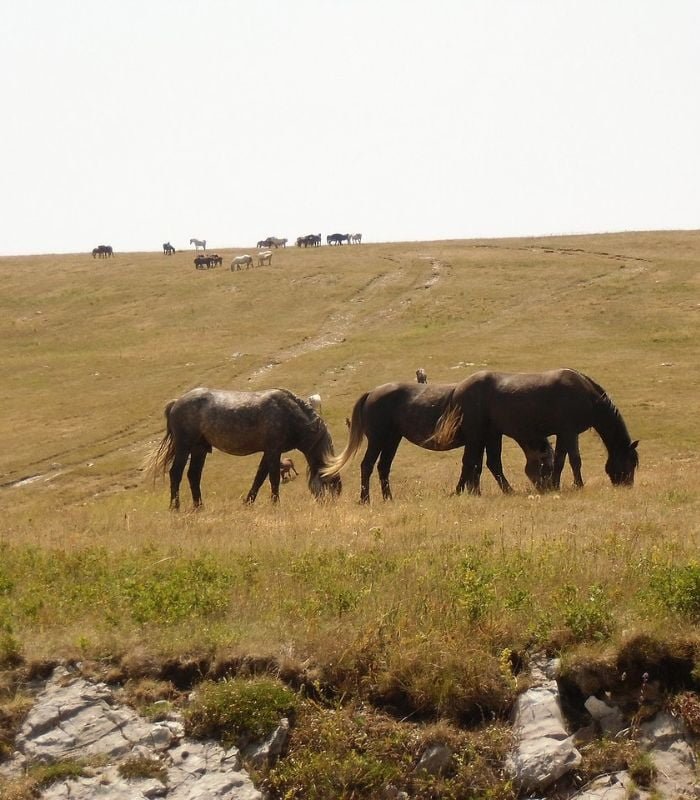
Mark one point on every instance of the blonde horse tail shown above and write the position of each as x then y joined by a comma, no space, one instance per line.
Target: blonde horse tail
357,432
447,428
162,456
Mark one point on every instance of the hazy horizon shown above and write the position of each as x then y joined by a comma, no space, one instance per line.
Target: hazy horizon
133,123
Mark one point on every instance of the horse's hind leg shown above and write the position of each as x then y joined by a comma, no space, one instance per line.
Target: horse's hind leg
366,468
194,473
259,479
472,464
176,470
495,464
384,466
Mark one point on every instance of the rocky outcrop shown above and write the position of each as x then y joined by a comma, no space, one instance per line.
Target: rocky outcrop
665,738
544,751
74,719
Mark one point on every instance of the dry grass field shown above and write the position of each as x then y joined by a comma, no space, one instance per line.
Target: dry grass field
417,605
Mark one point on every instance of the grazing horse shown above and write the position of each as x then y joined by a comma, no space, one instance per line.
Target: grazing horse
311,240
275,242
240,261
202,262
286,469
241,423
215,260
199,243
264,257
530,407
412,411
168,249
337,238
103,251
264,244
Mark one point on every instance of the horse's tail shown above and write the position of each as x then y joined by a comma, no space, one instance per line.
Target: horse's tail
162,456
357,432
446,428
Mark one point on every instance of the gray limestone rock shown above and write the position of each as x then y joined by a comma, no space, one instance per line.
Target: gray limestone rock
544,751
75,719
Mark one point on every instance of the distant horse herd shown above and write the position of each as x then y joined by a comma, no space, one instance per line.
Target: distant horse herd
206,260
265,247
474,414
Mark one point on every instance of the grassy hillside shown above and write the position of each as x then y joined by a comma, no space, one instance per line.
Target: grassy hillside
416,604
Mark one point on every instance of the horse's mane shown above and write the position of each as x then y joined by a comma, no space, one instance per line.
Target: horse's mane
317,427
605,403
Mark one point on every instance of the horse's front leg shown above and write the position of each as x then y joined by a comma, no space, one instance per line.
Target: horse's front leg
472,464
273,469
567,444
258,480
494,462
384,466
575,462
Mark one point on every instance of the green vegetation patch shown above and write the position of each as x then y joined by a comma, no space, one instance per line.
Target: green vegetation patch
238,711
352,752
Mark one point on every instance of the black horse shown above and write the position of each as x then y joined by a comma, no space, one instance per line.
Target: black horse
337,238
311,240
168,249
241,423
532,406
103,251
413,411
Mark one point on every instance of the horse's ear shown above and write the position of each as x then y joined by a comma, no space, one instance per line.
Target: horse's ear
634,444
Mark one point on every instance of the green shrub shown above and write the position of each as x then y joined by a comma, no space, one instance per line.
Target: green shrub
642,770
178,591
239,711
677,587
588,618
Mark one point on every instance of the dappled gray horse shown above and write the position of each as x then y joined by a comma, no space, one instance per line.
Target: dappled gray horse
240,423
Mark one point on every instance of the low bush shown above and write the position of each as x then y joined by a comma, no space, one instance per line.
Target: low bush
238,711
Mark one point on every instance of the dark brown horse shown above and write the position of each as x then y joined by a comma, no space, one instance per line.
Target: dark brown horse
412,411
241,423
532,406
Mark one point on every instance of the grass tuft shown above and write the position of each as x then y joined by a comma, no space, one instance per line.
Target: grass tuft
238,711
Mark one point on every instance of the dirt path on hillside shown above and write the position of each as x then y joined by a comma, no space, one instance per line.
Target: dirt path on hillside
334,330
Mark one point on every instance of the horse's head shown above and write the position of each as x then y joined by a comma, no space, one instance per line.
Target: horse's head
540,465
322,486
621,465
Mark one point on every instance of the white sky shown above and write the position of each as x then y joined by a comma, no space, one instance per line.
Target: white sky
134,122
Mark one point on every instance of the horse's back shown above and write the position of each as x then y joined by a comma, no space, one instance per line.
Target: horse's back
236,422
409,409
528,404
